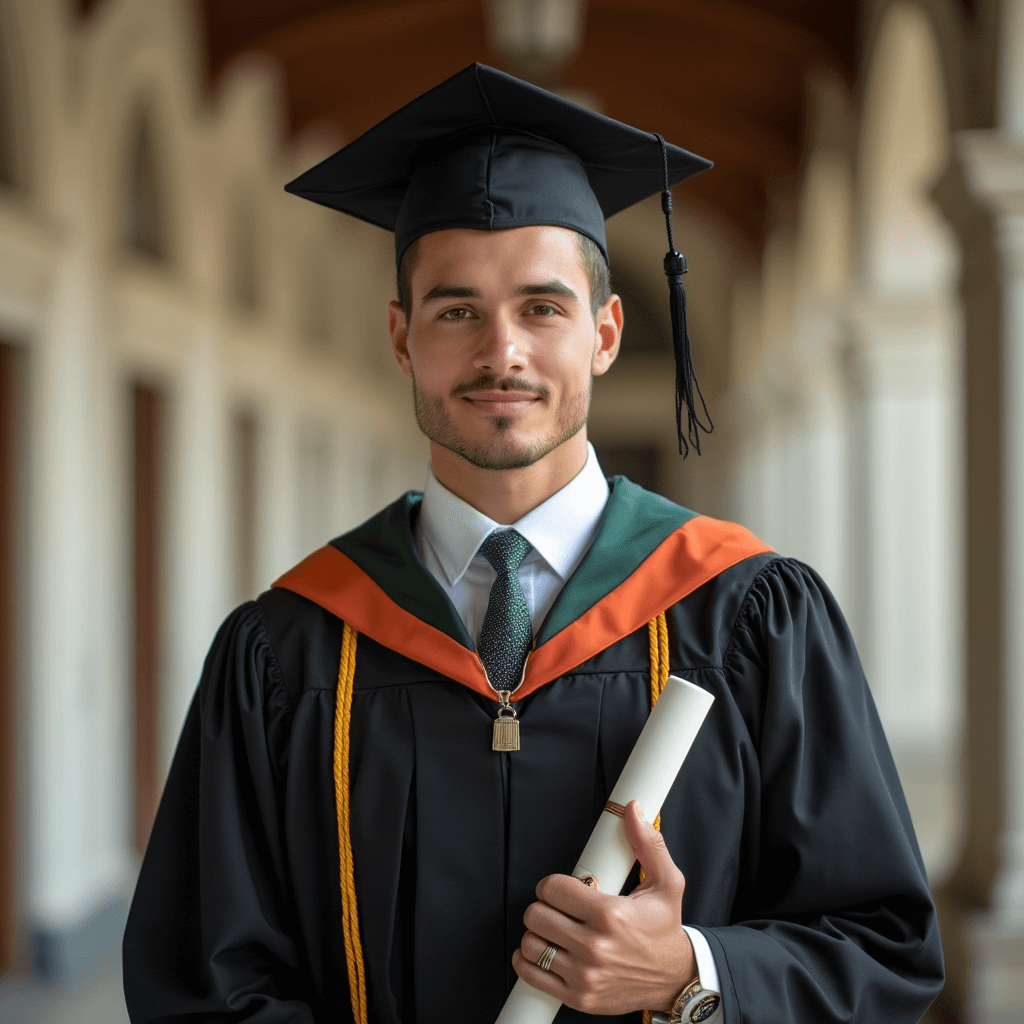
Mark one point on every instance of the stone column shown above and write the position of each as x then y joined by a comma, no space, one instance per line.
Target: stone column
199,486
817,476
278,548
993,165
199,568
77,861
900,368
903,555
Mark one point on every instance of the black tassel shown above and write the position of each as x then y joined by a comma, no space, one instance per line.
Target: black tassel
687,388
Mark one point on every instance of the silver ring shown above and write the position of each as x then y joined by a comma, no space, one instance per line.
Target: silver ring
544,963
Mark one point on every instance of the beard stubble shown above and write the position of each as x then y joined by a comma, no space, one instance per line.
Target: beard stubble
501,451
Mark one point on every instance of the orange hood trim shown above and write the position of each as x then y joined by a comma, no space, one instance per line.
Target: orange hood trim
686,559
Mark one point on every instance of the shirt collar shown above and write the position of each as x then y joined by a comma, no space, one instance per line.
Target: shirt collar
560,529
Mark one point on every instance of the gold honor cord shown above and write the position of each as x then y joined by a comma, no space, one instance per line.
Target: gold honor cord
349,909
657,630
657,633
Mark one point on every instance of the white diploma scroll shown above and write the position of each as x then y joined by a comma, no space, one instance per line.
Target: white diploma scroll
647,777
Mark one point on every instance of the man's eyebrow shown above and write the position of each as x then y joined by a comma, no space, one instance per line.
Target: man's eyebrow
458,291
450,291
552,287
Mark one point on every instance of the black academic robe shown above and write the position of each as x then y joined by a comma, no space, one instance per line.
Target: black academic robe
787,819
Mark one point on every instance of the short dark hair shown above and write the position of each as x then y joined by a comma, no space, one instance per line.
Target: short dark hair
598,278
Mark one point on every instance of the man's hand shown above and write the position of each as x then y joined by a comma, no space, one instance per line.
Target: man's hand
616,954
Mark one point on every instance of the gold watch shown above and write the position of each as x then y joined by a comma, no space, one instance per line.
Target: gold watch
693,1005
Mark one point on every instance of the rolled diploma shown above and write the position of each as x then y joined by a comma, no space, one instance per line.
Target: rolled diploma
647,777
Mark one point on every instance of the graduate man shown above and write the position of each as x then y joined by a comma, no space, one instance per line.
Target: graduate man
396,754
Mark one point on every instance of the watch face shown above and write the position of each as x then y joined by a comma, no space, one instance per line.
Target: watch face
704,1008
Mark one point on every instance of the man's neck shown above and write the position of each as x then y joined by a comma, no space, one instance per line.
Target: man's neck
509,494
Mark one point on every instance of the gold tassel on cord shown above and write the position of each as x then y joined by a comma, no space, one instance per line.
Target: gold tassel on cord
657,632
349,910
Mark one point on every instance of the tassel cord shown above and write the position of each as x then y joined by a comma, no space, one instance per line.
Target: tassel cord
687,388
342,791
657,634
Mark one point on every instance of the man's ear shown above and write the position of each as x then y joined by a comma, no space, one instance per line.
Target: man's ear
398,326
608,328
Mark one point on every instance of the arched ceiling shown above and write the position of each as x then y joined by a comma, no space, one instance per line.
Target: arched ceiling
724,78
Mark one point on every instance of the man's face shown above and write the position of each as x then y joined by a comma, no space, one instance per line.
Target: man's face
501,345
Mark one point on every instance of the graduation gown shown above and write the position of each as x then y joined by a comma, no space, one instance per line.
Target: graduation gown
788,820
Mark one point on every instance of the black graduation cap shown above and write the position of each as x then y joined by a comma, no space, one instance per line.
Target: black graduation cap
485,150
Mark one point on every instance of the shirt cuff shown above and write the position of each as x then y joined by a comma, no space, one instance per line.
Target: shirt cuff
706,969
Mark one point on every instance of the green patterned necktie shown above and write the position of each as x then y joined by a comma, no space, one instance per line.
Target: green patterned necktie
507,632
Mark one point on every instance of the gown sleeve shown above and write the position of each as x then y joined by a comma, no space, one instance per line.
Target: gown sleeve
838,924
208,935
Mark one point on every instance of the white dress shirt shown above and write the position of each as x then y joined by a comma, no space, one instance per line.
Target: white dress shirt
449,532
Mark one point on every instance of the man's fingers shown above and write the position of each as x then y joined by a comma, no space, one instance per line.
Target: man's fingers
546,981
572,897
552,925
533,947
651,850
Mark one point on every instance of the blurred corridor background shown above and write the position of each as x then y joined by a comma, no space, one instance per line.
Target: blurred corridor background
196,387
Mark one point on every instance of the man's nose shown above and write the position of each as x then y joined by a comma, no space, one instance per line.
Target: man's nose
501,349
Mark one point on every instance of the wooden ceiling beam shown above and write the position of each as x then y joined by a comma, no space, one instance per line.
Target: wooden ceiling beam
732,21
630,65
381,53
837,24
361,24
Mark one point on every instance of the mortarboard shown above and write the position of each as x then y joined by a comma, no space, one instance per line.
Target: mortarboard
485,150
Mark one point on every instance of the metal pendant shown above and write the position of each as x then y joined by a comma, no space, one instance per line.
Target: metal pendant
506,734
506,726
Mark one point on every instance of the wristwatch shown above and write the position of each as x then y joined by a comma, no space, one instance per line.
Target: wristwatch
693,1005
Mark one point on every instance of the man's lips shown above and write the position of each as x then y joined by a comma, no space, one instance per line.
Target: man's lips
501,401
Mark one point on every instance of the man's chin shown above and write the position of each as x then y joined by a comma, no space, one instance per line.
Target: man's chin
499,453
504,442
504,450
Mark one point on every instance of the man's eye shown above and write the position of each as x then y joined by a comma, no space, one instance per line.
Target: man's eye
542,310
458,313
